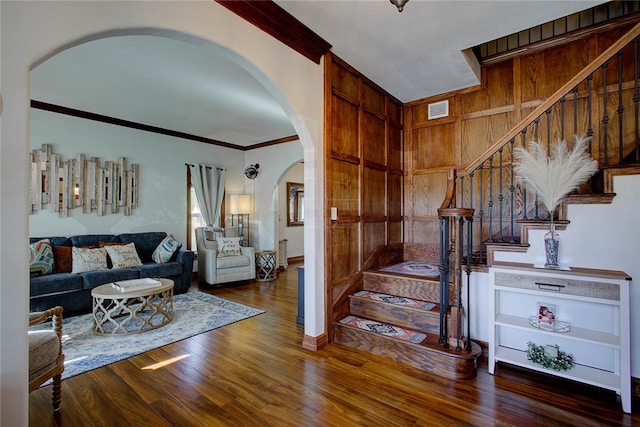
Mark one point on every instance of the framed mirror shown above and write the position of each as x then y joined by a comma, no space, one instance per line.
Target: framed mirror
295,204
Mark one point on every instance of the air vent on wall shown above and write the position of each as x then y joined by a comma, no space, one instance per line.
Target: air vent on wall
438,110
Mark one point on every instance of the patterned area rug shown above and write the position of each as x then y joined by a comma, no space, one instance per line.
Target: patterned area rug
195,313
392,299
416,268
384,329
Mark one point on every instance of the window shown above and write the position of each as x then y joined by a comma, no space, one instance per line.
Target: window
194,220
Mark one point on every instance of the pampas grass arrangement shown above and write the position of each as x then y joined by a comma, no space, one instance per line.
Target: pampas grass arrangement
553,177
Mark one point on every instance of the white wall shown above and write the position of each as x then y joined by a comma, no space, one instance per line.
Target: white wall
599,236
33,31
293,234
273,161
162,182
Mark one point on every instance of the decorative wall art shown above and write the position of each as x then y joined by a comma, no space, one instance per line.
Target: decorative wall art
81,182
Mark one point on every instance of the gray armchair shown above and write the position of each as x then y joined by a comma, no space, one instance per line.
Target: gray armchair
213,269
45,353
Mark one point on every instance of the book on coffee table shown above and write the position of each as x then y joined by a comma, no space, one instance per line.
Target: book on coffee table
136,284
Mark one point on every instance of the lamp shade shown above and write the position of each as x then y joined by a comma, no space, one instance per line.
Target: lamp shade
240,204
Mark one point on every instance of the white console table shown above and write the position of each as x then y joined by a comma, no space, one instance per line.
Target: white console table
594,302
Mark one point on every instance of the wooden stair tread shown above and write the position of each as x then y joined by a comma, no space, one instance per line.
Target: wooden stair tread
412,303
380,272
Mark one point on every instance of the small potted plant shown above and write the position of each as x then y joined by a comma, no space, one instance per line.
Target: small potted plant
553,177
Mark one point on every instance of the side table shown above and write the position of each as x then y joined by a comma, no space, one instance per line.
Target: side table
265,266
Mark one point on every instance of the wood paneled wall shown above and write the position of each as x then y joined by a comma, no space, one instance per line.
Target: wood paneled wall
480,115
364,177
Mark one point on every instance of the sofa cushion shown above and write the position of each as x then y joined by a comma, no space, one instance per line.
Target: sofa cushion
165,250
96,278
92,239
151,269
62,259
55,283
146,242
41,262
123,256
233,261
84,259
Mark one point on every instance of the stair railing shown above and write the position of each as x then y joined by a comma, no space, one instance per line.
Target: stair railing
488,185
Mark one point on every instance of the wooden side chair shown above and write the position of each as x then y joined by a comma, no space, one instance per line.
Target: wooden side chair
45,353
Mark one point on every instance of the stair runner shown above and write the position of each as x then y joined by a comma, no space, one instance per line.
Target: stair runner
384,329
387,329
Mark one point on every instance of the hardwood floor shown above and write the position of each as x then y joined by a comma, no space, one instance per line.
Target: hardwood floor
255,373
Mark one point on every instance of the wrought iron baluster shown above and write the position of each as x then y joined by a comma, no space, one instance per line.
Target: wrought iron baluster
524,189
605,116
512,190
620,110
471,207
500,198
490,240
562,101
590,120
575,110
468,271
548,117
481,212
636,99
444,274
457,220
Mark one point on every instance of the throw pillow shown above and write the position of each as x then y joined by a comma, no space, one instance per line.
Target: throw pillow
84,259
62,259
228,246
165,250
41,261
123,256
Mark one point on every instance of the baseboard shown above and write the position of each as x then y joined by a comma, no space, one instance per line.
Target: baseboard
315,343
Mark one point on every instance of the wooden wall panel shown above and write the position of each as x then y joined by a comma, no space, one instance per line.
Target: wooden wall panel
479,133
395,148
428,192
394,196
375,198
344,129
364,161
345,182
497,90
373,139
374,236
433,147
345,250
426,232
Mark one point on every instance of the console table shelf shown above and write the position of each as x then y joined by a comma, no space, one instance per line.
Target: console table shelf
594,302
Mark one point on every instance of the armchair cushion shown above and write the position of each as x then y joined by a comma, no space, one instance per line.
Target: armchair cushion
233,261
228,246
44,348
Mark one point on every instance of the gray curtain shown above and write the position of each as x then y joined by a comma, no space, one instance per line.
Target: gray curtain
208,183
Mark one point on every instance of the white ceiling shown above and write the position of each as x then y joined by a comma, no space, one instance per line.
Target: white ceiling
182,87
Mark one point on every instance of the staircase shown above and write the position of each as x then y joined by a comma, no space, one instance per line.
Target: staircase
399,318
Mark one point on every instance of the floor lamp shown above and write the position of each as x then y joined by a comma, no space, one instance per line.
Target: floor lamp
240,208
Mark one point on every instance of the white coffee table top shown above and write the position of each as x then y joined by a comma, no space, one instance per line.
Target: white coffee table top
108,291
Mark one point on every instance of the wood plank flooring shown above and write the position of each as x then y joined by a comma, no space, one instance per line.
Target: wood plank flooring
255,373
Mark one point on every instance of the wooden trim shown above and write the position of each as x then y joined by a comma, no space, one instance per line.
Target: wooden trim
609,173
315,343
549,102
148,128
277,22
295,259
273,142
129,124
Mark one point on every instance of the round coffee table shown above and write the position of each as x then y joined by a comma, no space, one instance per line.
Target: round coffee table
118,313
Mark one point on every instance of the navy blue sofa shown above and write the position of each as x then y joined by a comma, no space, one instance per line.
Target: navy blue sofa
73,291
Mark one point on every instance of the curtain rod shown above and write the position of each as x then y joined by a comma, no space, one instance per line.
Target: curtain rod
208,167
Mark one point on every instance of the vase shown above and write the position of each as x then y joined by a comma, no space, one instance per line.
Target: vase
551,243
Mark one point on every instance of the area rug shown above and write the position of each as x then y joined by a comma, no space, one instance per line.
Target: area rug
384,329
393,299
194,313
416,268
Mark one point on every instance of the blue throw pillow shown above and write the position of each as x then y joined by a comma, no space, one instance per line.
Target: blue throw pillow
165,250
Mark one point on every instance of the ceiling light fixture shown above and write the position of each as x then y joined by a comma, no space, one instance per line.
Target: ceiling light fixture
399,4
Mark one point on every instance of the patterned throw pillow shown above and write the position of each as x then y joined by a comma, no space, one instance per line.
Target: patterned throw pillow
165,250
41,261
123,256
84,259
62,259
228,246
